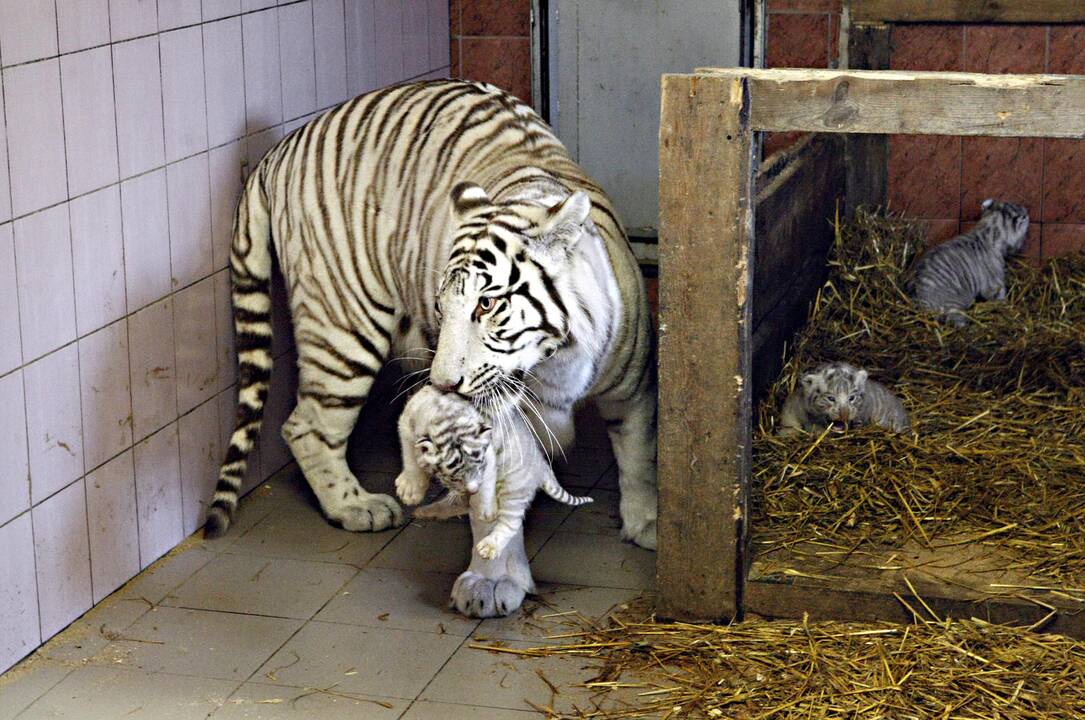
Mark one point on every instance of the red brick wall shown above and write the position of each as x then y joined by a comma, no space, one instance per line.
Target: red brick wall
943,180
491,41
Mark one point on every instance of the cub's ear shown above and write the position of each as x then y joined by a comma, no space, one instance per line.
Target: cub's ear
986,204
808,380
861,377
467,197
562,225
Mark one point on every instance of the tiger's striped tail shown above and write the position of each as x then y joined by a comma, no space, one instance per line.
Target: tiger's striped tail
553,489
250,272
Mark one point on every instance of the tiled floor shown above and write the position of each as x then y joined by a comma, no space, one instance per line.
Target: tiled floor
288,617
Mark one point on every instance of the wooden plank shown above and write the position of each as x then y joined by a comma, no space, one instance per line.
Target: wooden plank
839,601
705,413
968,11
867,156
796,201
920,103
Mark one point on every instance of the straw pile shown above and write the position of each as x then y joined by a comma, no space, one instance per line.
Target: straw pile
998,412
958,670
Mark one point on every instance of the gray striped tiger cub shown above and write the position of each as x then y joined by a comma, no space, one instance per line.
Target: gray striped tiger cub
492,476
439,216
838,395
950,277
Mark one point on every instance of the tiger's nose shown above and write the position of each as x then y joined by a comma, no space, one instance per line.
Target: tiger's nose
446,386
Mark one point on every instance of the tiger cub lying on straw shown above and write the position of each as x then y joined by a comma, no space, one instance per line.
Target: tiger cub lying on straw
838,395
948,278
494,476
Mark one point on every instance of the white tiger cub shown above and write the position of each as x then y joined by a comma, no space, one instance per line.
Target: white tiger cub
948,278
494,477
837,395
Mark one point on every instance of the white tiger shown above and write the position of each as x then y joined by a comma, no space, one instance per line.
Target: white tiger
494,476
458,192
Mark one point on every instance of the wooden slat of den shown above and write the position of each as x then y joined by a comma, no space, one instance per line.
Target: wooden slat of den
867,155
917,103
706,189
970,11
798,190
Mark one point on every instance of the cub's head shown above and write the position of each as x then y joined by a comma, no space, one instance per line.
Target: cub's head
1010,219
503,302
835,393
452,438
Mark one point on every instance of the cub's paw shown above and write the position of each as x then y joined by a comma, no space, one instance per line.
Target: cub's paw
477,596
410,491
487,548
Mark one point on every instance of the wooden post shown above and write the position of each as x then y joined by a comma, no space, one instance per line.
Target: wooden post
867,156
970,11
705,415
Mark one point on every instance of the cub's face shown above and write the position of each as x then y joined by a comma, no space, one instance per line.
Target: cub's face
835,393
1013,221
500,305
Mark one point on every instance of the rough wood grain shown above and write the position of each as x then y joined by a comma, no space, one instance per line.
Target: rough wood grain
706,188
972,11
867,156
797,198
920,103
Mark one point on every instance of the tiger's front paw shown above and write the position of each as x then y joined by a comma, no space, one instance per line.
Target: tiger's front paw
408,488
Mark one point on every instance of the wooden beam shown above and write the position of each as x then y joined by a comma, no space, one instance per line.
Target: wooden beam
968,11
867,156
705,414
918,103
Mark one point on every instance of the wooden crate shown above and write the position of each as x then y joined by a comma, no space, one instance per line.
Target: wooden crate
732,250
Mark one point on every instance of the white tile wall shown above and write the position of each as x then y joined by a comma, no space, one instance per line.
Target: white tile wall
14,464
11,345
54,424
35,130
62,557
90,125
106,394
82,24
111,513
18,592
29,30
158,488
43,261
98,259
127,127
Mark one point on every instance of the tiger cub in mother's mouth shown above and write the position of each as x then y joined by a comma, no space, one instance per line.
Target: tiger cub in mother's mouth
838,395
948,278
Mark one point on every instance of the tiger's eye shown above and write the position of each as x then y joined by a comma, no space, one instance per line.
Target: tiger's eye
486,304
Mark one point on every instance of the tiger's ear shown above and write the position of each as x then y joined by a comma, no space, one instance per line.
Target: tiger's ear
808,380
467,197
861,377
986,204
563,224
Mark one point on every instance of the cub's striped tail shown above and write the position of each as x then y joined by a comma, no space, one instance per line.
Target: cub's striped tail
250,271
553,489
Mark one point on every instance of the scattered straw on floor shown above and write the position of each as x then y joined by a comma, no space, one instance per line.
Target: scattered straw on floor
998,411
941,669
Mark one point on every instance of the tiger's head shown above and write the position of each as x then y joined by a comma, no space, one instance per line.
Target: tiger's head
502,302
1010,219
834,393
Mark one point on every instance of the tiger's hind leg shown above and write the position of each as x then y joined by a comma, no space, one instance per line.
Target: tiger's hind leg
631,425
329,401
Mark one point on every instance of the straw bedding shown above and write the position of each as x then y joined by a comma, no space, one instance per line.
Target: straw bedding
997,451
938,669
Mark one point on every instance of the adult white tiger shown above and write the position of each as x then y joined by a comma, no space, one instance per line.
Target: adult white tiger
371,220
